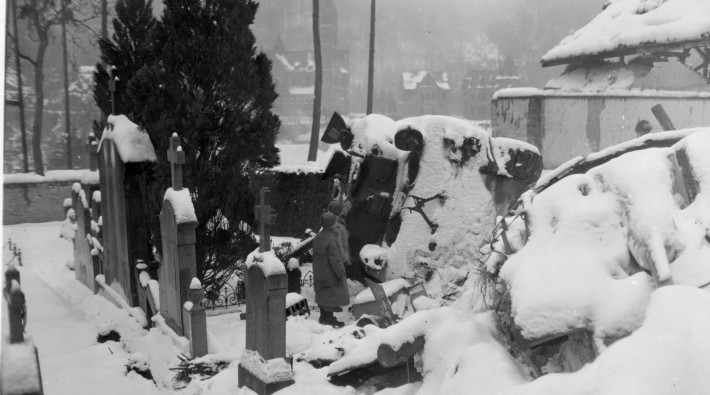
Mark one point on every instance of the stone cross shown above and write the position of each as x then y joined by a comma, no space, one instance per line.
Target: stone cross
265,216
176,157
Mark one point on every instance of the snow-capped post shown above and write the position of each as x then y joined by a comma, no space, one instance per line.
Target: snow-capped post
11,274
96,237
265,216
263,366
83,267
93,152
177,228
195,320
17,309
176,157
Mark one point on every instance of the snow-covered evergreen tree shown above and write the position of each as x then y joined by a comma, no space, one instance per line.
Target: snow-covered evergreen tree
208,83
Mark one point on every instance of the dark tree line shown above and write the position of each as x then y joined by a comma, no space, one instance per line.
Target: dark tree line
196,72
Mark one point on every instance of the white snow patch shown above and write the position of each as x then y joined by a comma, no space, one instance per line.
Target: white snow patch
272,371
132,142
390,287
267,261
181,202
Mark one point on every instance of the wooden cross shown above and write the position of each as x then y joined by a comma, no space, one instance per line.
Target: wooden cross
265,216
176,157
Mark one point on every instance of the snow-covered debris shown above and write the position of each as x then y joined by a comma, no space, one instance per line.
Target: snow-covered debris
501,148
181,202
267,261
462,213
390,287
596,237
292,298
625,24
272,371
132,143
374,134
643,182
668,354
573,271
373,256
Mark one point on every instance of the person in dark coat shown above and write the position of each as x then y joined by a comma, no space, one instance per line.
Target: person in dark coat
329,279
337,208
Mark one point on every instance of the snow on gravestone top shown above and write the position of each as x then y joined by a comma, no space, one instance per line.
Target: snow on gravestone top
635,23
132,143
182,205
195,283
267,261
390,287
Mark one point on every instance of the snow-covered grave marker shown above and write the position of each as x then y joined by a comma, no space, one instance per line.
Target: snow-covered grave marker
180,292
19,362
124,150
263,366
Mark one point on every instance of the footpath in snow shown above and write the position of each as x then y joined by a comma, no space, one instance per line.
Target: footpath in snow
71,359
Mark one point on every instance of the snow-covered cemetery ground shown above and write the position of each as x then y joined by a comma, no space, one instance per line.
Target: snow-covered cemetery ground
620,251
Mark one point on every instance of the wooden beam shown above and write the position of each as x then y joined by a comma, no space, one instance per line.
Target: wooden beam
642,49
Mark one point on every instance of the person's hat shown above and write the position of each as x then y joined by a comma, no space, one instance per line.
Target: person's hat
327,220
335,207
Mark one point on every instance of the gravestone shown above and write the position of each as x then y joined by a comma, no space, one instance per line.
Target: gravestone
24,378
177,228
123,151
263,366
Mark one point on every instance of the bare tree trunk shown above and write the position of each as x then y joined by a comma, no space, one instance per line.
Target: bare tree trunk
315,126
39,103
371,62
20,96
67,119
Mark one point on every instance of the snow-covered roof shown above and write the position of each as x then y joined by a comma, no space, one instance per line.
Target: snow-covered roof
636,26
132,142
411,81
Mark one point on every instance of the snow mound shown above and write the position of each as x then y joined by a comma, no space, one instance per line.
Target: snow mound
601,242
668,354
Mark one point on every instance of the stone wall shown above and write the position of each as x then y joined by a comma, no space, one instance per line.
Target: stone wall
34,202
563,126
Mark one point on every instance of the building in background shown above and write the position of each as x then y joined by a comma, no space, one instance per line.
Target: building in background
294,75
619,66
423,93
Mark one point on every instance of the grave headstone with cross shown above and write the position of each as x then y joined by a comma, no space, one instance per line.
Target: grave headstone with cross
263,366
178,269
265,216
